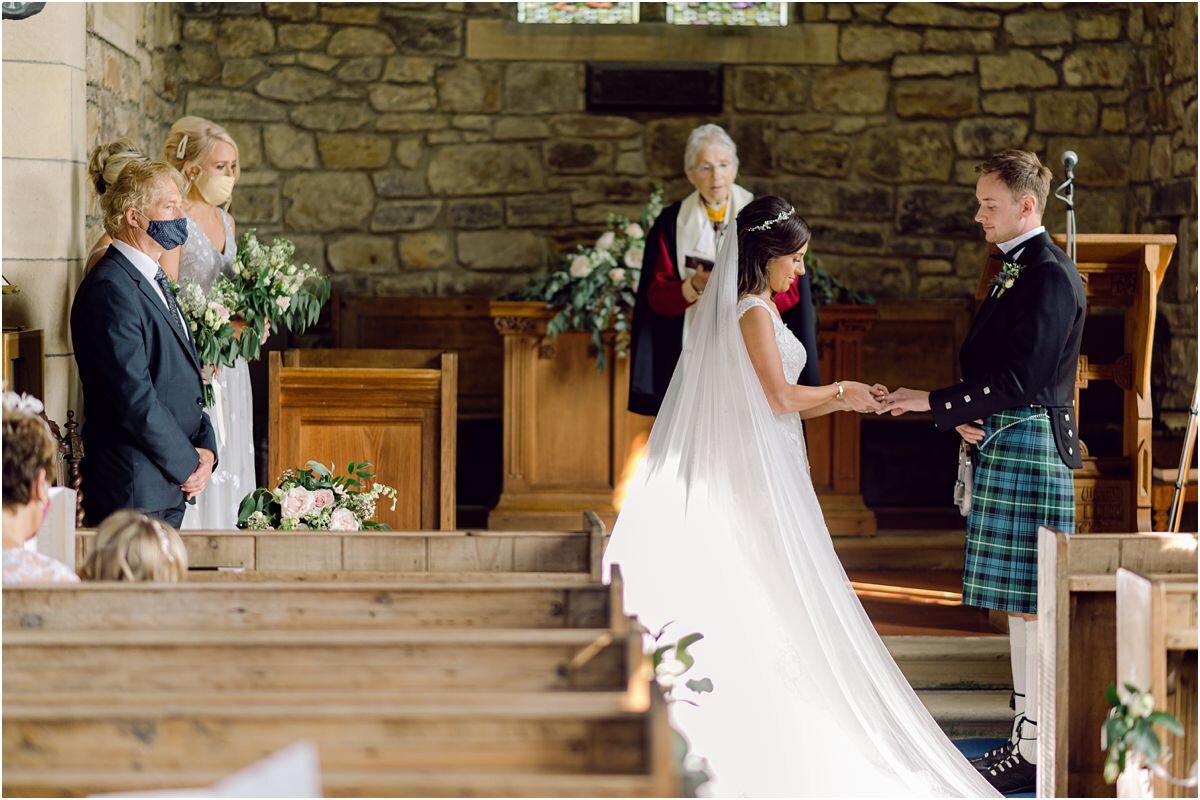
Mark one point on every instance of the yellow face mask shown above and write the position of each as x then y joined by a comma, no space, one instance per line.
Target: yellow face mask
215,189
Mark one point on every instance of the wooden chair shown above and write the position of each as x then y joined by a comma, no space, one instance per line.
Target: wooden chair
1077,636
1156,652
396,409
70,457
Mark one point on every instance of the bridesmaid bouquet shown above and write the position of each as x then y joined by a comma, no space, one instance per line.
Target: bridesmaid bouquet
315,499
210,318
271,288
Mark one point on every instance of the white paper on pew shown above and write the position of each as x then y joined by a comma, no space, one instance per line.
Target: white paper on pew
294,771
56,537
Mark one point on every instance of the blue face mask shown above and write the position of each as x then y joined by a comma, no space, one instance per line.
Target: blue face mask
169,233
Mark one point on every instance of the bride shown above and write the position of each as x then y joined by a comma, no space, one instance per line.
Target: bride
721,533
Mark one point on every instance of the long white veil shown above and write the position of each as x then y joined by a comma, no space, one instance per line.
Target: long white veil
722,533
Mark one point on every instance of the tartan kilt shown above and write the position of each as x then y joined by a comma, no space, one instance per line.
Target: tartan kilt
1020,484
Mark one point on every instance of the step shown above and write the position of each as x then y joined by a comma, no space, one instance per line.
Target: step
903,549
953,662
969,714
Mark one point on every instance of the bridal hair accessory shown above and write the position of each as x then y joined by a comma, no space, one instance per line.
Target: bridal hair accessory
182,149
24,403
163,542
766,226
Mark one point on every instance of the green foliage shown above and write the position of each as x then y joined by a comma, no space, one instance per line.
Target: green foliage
828,290
1130,728
314,498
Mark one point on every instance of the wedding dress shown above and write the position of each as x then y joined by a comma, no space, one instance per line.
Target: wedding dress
721,533
232,413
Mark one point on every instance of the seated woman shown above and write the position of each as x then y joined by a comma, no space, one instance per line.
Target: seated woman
131,546
29,455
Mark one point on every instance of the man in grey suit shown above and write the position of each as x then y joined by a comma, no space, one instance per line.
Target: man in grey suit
149,443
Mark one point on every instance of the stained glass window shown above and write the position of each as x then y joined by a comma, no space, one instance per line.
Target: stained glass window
742,13
588,13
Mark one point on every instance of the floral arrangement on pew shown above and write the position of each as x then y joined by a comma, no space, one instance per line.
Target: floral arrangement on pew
315,499
670,661
1129,730
594,287
267,290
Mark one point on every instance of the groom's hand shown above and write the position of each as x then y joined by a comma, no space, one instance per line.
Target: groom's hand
904,400
971,434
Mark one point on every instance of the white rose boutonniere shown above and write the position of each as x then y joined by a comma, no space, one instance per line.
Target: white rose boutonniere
1005,278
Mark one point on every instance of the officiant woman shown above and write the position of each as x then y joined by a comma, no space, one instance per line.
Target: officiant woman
680,251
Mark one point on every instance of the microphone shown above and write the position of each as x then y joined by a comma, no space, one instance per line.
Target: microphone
1069,160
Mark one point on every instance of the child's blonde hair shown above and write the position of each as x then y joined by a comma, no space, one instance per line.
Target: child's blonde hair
131,546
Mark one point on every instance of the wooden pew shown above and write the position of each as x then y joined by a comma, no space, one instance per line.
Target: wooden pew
337,554
1077,634
1156,652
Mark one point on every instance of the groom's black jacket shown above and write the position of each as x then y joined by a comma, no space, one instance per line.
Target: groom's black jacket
142,393
1023,349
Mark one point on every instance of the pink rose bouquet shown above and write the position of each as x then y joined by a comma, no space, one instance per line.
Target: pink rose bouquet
314,498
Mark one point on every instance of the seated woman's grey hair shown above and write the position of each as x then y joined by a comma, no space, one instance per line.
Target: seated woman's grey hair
703,136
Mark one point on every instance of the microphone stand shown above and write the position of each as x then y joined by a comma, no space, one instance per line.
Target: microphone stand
1066,193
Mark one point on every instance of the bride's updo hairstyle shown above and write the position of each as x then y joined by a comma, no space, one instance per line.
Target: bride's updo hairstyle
766,228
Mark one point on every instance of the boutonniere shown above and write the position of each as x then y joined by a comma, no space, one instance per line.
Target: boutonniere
1005,278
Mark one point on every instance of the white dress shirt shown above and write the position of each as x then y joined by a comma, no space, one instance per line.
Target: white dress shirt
148,268
1011,245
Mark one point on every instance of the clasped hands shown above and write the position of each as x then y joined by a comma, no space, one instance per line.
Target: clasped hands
904,400
198,480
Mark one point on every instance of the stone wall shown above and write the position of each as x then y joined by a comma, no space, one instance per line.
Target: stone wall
441,149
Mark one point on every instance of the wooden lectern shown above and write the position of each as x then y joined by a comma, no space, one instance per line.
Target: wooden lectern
394,408
1122,274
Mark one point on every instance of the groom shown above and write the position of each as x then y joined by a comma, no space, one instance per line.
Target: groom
1015,405
148,440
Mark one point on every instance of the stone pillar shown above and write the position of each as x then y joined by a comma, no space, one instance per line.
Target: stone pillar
45,186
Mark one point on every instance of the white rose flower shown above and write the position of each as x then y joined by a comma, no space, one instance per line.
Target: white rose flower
343,519
606,240
617,276
634,231
296,503
581,267
633,257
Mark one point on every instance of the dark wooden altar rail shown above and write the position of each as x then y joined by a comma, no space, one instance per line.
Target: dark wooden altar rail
1156,652
395,551
1077,630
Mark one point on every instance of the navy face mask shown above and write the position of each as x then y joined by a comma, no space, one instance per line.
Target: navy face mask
169,233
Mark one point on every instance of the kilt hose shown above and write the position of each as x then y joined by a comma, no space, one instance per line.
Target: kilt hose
1020,484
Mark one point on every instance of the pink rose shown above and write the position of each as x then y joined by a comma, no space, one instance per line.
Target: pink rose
297,502
617,276
633,257
634,231
343,519
606,240
283,303
580,267
322,498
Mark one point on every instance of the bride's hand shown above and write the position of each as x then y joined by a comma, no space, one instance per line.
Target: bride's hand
903,400
862,398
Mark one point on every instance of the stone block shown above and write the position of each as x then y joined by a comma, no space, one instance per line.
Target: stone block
469,87
1038,28
666,140
408,152
773,89
937,40
755,139
472,122
289,148
411,123
577,156
905,153
850,90
1105,161
875,44
388,97
302,37
475,213
248,136
257,205
225,104
1113,120
198,64
356,42
539,88
886,278
519,128
481,169
1018,69
538,210
41,118
409,69
814,154
1100,27
939,212
1065,112
361,70
1006,103
347,14
353,150
245,36
981,136
318,61
1097,66
633,163
1184,161
400,183
199,30
969,258
295,85
919,66
36,194
849,237
942,98
1160,158
425,250
423,34
445,137
405,215
292,11
328,201
948,287
362,252
44,302
931,15
866,201
591,126
501,250
332,116
460,282
237,72
934,266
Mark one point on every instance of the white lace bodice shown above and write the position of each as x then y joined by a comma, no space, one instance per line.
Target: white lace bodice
791,352
201,262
